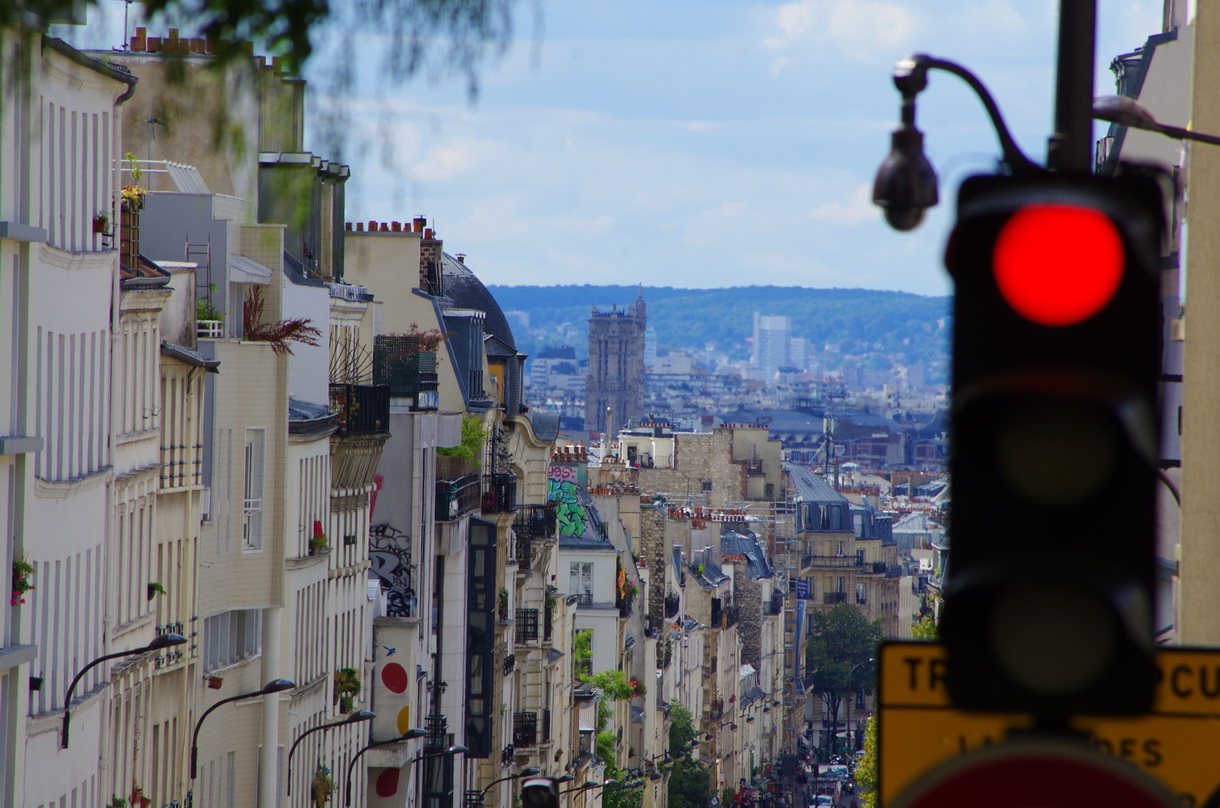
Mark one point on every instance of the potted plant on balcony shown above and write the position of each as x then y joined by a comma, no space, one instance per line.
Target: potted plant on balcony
322,786
155,589
318,541
347,685
22,570
101,222
278,334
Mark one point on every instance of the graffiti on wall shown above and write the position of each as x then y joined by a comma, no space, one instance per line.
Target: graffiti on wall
562,474
390,558
570,514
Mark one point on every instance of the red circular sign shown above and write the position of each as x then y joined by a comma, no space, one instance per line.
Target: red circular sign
1043,774
394,677
1058,265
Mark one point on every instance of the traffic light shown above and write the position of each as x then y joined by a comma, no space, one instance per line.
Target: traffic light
1056,357
540,792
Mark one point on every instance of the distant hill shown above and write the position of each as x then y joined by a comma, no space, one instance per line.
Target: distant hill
879,327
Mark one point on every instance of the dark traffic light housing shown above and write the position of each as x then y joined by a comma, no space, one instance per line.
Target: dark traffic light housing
1056,358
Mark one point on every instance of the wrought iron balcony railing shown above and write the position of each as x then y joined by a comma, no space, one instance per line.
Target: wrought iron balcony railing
456,497
527,625
499,493
363,408
525,730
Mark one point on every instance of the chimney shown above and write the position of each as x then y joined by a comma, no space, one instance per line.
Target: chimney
461,257
139,42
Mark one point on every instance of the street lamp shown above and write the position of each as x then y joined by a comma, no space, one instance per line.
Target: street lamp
589,784
274,686
159,642
409,735
352,718
476,797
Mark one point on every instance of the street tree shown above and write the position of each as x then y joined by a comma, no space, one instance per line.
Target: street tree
840,655
690,783
423,35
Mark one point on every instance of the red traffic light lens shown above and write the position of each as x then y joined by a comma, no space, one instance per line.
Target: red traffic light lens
1058,265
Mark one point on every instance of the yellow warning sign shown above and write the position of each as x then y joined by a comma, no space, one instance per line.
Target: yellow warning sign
1176,743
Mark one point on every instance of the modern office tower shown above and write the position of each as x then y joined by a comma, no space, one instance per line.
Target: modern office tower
770,348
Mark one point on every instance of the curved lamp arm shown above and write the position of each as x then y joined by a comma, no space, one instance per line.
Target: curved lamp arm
274,686
911,77
406,736
356,717
161,641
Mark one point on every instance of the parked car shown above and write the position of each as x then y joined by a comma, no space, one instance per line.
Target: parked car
822,801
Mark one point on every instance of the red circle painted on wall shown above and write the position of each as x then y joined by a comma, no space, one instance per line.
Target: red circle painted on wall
394,676
387,783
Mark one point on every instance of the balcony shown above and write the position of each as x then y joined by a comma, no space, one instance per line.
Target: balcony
672,603
499,493
457,497
730,616
535,521
774,606
834,597
833,562
527,625
401,362
523,551
363,408
525,730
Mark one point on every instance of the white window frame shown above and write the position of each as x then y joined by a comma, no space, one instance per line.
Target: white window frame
252,494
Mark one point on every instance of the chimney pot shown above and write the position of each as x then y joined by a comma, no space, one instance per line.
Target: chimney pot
372,226
461,257
396,227
420,223
428,232
359,227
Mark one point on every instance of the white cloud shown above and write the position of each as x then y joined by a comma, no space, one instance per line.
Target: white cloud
854,29
858,208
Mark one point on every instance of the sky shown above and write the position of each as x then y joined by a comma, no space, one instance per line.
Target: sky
699,143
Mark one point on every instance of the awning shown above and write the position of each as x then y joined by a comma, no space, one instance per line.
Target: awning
247,270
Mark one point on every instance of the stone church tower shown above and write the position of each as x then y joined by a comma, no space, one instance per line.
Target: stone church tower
614,391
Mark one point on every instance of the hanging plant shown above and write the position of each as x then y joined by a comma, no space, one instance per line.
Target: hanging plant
154,589
322,786
347,685
22,570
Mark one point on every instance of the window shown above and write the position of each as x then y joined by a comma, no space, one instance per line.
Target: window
231,637
707,485
580,582
860,593
252,505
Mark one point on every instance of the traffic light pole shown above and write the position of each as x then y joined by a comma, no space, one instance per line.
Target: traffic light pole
1071,146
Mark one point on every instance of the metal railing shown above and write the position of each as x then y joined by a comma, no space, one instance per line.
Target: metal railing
527,625
499,493
525,730
456,497
362,408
